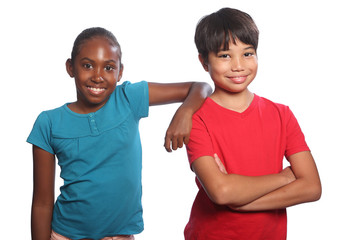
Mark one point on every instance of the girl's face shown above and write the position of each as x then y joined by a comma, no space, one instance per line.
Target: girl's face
96,70
234,69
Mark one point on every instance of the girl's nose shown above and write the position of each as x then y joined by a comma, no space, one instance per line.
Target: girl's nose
97,77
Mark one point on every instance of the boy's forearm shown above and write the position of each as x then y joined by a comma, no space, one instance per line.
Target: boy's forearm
306,187
242,190
234,189
297,192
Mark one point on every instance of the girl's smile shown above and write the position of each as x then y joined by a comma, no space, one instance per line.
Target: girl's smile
96,91
96,70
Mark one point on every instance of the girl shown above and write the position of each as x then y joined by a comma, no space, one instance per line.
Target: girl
97,143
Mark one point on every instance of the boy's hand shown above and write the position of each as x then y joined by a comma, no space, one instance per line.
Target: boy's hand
178,132
220,164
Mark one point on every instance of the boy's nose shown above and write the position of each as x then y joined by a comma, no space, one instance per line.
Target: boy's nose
237,65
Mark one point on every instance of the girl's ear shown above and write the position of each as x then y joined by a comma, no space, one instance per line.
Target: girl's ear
120,72
69,68
203,63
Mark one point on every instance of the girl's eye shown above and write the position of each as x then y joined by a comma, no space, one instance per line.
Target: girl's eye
87,65
109,68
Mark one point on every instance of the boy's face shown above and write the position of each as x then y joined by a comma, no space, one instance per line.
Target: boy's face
234,69
96,70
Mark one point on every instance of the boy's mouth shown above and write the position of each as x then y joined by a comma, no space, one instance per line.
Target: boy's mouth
238,79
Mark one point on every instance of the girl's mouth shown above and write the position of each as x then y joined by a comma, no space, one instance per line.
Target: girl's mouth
96,90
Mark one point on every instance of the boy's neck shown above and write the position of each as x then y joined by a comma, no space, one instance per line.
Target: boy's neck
238,102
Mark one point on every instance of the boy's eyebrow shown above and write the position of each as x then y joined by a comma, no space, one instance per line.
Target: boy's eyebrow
244,49
250,47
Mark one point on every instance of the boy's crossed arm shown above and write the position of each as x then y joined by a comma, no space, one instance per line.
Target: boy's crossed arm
292,186
306,187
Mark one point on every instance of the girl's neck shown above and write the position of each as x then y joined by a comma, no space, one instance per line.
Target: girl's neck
238,102
77,107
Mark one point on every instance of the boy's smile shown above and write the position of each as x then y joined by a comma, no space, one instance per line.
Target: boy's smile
232,70
238,79
96,70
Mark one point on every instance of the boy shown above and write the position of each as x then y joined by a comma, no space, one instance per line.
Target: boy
244,192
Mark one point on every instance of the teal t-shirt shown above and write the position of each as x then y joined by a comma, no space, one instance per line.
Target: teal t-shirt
100,158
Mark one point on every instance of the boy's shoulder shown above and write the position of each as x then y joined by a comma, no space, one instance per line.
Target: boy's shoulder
257,101
267,102
210,107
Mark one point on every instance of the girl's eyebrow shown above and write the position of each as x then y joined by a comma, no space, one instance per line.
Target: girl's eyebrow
90,60
86,59
111,60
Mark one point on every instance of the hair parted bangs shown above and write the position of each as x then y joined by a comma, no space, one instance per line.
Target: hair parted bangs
215,31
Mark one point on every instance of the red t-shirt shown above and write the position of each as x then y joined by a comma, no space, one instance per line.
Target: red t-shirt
250,143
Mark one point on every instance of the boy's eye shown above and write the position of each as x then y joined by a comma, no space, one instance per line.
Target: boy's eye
224,55
249,54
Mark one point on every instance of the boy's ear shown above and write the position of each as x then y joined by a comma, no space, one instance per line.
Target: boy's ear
69,68
203,63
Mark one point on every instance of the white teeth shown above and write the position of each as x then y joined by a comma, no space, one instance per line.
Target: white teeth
96,89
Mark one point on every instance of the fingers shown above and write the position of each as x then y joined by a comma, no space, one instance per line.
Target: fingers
186,139
177,134
220,164
173,142
289,174
167,144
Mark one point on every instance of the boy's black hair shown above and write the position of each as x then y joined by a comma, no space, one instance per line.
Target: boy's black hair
92,33
215,31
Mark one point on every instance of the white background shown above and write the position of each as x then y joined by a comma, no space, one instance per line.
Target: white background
308,59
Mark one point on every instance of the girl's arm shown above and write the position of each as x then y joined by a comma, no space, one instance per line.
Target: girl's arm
192,94
43,194
306,187
233,189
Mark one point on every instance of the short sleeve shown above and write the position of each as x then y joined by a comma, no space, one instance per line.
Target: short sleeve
295,139
200,143
41,133
137,95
